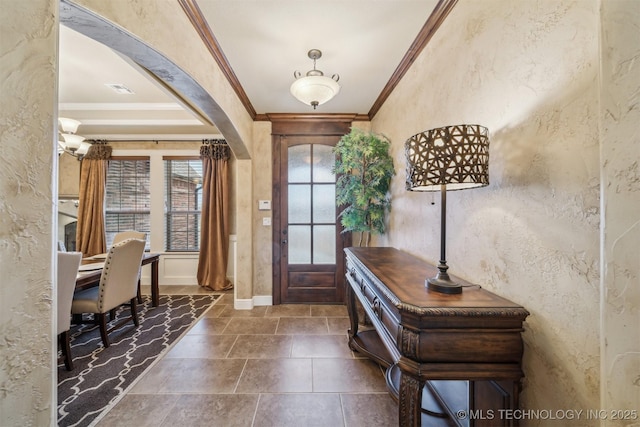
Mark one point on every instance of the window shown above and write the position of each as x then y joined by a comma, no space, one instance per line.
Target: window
183,203
127,199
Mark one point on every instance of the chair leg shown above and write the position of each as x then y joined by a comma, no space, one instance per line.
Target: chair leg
112,314
102,321
134,311
66,350
139,293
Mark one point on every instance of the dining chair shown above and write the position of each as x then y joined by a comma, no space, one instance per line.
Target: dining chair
118,285
68,264
129,234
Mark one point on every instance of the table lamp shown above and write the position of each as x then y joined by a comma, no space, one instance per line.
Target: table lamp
447,158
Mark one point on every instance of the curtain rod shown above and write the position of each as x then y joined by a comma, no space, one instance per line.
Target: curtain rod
214,142
106,141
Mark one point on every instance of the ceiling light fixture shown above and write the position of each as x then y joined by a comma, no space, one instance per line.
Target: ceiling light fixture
71,143
68,125
315,88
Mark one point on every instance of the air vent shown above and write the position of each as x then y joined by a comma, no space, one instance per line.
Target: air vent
120,88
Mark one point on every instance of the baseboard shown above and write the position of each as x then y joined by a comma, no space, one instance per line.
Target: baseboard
262,300
248,304
242,304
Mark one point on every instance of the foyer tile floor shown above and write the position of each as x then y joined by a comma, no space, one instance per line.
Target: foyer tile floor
277,366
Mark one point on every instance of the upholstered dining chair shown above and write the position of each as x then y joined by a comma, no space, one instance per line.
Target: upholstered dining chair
68,264
118,285
131,234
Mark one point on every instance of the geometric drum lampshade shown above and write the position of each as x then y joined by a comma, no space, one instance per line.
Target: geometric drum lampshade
447,158
454,156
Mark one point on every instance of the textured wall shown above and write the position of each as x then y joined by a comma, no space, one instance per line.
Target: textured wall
262,235
68,176
528,70
244,208
28,84
620,115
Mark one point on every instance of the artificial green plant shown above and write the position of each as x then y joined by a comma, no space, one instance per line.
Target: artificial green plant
364,168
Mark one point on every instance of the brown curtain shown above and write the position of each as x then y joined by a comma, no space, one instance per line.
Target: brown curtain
214,237
90,232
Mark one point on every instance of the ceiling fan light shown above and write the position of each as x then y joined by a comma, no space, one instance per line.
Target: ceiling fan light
68,125
314,90
72,142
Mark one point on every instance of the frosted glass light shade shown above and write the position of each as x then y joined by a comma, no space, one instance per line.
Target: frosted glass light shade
68,125
84,147
72,142
314,90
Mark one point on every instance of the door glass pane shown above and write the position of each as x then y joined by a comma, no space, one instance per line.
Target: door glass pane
299,203
299,244
324,244
311,201
299,168
323,163
324,203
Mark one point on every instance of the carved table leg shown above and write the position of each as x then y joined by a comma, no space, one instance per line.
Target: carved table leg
353,313
410,401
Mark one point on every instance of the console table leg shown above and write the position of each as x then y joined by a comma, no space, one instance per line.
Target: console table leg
353,313
410,401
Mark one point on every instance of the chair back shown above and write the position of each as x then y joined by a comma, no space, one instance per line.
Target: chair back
130,234
68,264
119,279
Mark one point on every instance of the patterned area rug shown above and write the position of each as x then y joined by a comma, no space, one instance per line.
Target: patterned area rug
102,375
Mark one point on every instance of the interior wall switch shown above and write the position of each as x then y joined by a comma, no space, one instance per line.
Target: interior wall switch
266,220
264,205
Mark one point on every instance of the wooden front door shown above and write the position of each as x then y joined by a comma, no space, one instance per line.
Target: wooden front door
308,243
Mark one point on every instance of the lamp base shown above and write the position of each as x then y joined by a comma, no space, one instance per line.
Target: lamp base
444,286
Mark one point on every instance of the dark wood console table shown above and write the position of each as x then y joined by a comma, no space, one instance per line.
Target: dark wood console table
454,359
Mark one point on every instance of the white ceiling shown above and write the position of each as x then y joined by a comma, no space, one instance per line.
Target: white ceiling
150,113
264,41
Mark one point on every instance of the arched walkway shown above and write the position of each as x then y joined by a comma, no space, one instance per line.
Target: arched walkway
171,74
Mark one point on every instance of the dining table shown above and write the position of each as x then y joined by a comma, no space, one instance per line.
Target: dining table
91,270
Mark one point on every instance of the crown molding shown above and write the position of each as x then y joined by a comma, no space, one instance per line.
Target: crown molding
141,122
137,137
434,21
332,117
198,21
116,106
